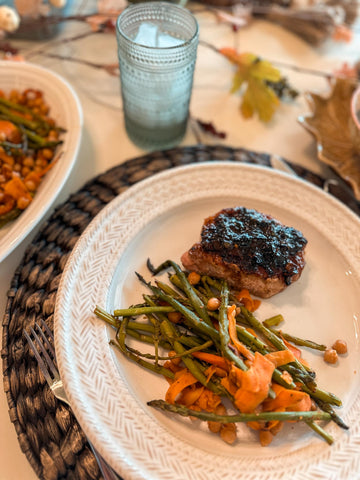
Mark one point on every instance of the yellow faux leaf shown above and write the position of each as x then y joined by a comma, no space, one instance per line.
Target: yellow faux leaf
265,71
238,80
262,99
246,106
255,72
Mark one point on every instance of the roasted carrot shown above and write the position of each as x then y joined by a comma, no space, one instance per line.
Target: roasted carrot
253,384
16,189
287,400
212,359
280,357
246,299
208,400
9,131
240,347
182,380
190,395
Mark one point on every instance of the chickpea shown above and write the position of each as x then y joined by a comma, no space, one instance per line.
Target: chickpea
340,346
220,409
228,433
40,161
47,153
330,356
37,169
194,278
28,162
266,437
213,304
174,317
30,185
175,360
25,171
23,202
214,427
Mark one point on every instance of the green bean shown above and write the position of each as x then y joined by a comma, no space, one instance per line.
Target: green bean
133,312
191,302
273,321
193,366
240,417
18,119
274,339
298,341
191,317
195,300
107,317
320,431
10,216
39,141
121,345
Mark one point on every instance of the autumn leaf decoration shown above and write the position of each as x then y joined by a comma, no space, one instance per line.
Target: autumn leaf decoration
256,77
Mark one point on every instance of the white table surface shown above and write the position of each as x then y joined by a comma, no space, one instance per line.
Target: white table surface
105,144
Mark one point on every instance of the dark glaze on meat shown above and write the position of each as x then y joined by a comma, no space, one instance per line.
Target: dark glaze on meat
256,241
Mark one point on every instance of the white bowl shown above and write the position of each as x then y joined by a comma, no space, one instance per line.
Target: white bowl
355,107
66,110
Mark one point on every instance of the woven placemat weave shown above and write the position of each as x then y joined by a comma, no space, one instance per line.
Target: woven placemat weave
48,433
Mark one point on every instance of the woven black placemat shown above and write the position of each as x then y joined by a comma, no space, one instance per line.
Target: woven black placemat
48,433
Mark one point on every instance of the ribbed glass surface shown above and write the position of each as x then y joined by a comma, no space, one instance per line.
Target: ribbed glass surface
157,64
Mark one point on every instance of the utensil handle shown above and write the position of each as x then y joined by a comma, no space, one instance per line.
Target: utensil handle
107,472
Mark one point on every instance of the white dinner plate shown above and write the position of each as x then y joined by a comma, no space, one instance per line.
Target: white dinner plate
66,110
160,218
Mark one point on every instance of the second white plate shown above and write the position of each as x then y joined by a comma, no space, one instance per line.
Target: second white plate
160,218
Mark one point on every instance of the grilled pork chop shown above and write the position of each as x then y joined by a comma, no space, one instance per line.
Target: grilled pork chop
250,250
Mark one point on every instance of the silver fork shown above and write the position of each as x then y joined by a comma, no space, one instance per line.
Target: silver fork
41,344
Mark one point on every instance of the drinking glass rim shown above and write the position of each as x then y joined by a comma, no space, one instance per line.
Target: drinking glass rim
172,5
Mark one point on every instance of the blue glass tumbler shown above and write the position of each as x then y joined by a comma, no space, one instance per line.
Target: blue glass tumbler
157,47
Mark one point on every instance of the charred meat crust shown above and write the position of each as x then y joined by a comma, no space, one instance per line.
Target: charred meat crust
250,249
